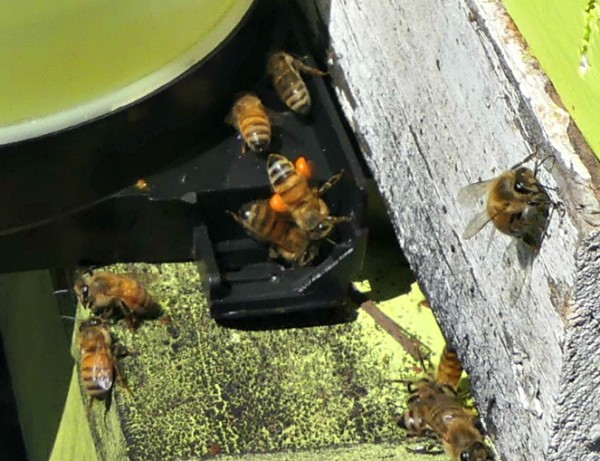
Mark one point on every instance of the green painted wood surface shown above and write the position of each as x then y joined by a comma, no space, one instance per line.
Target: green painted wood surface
37,353
565,37
323,393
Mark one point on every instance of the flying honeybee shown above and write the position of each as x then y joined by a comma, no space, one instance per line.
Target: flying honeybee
449,369
434,407
98,359
285,72
517,204
301,201
250,118
288,241
103,291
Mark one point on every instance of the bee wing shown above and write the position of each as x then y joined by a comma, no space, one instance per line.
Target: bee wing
104,377
145,278
229,120
276,118
471,194
476,224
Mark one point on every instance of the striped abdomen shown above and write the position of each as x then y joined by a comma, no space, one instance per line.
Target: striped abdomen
255,129
97,373
265,224
251,120
450,369
443,410
292,90
134,295
456,427
303,203
97,365
288,82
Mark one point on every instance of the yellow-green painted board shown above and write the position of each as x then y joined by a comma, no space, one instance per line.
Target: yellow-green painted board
321,393
564,35
73,440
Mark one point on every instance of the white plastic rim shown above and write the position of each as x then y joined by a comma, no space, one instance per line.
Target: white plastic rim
128,94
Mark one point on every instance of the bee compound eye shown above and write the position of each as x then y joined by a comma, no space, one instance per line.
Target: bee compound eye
520,187
85,293
464,456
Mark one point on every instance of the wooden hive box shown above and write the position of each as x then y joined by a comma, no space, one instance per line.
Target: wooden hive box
440,95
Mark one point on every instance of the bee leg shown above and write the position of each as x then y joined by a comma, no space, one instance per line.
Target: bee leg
121,379
107,402
273,253
306,69
429,448
338,219
119,351
244,147
131,322
165,319
129,316
330,182
89,407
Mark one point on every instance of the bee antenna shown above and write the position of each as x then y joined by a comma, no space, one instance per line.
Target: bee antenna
61,291
525,160
541,161
68,317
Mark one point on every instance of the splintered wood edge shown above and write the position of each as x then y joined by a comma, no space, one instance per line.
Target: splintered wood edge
544,386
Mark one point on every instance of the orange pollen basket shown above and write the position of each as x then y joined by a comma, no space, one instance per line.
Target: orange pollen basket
304,167
276,203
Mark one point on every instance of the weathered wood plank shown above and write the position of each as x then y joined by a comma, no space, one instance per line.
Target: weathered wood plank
441,94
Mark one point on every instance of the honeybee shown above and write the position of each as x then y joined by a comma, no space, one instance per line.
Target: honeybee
434,407
98,359
449,369
142,185
517,204
302,202
288,241
250,118
285,73
103,291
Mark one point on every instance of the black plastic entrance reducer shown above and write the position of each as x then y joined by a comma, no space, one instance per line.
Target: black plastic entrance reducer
179,214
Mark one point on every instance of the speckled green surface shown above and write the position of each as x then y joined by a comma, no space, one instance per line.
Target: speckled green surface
314,393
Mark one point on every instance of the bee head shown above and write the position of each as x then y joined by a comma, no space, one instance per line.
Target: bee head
90,323
321,230
85,294
526,182
476,452
311,253
82,290
277,60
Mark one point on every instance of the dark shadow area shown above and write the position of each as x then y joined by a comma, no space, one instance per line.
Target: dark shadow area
12,447
384,255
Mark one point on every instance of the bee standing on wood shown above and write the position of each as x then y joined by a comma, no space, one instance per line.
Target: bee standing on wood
288,241
517,204
103,291
98,359
435,407
250,118
285,73
302,202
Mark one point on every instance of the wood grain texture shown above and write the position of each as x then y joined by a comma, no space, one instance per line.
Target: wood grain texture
441,94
